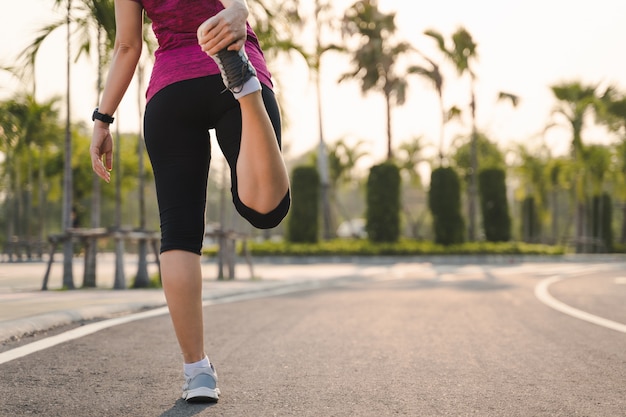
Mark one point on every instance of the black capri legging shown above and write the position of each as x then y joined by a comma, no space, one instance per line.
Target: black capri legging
176,124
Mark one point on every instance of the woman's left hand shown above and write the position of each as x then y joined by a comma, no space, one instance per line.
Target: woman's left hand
227,29
101,150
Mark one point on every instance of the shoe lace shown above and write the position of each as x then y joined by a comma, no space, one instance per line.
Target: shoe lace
234,67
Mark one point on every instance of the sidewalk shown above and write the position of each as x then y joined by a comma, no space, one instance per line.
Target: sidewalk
25,309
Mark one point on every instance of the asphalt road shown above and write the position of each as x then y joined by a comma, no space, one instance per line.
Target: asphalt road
459,341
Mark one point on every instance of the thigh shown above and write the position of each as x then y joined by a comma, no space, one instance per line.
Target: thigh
178,145
228,127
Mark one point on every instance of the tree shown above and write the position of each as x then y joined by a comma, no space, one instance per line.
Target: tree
444,202
28,58
433,74
494,205
409,157
323,19
598,163
68,250
28,132
303,219
616,120
575,102
462,53
531,167
275,23
375,56
342,160
555,169
383,203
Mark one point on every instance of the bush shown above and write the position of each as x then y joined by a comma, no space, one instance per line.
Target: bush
494,205
444,202
403,247
531,226
383,203
303,222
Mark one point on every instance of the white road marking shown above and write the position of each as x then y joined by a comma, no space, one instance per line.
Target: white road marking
88,329
542,293
75,334
620,280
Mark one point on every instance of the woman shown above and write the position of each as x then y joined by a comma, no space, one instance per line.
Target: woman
204,46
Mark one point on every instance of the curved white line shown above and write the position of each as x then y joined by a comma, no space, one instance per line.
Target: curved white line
542,293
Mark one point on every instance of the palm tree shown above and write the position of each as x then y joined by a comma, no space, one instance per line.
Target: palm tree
323,19
409,158
342,160
29,129
462,53
275,22
531,169
433,74
575,102
615,118
598,160
315,63
375,56
557,182
102,16
28,57
68,249
94,28
620,181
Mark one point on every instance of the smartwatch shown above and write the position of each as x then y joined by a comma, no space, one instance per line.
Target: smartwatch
102,117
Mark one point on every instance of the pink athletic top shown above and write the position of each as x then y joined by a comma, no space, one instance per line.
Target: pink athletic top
179,57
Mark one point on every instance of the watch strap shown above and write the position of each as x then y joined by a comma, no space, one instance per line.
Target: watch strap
102,117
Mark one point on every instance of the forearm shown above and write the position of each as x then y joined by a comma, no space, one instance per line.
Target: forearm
123,65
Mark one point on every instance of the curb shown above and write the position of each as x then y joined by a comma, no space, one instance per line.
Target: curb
14,330
17,329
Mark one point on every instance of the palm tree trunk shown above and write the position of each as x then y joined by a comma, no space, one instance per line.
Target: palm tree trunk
623,237
555,217
96,197
120,279
142,279
42,194
29,195
322,156
441,129
68,249
473,191
388,104
322,166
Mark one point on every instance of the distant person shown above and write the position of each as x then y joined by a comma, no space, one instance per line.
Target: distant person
206,47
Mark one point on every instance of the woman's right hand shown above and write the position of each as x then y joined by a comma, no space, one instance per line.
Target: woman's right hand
227,29
101,150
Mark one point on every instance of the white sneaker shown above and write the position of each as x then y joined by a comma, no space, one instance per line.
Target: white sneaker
201,386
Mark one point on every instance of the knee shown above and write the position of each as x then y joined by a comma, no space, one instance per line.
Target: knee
265,220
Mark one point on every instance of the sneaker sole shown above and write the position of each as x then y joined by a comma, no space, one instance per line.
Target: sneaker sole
202,395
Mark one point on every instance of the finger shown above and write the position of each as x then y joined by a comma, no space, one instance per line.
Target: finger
109,161
205,28
98,167
237,45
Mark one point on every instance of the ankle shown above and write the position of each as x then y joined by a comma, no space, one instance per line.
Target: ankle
251,86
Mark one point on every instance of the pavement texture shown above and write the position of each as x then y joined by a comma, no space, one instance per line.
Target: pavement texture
25,309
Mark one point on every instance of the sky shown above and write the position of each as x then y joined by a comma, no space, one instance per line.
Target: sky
523,48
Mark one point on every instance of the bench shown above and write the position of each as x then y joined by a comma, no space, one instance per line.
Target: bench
88,238
226,255
23,250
